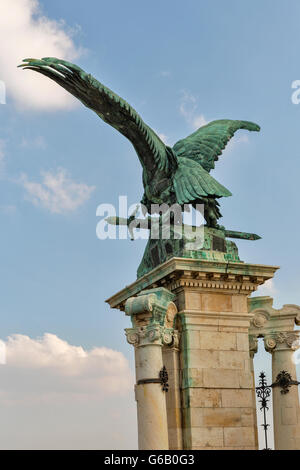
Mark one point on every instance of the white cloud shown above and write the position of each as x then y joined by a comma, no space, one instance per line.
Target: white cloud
57,192
163,137
26,32
165,73
188,109
98,372
36,142
237,140
7,209
268,288
56,395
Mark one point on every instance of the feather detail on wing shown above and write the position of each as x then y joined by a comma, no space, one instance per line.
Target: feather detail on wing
110,107
192,182
207,143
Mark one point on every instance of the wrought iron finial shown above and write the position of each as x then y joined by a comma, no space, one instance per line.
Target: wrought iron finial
263,393
164,377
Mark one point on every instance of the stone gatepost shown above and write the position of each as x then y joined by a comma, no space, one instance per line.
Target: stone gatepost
281,340
212,401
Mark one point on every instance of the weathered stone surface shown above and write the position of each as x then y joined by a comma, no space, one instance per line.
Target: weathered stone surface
233,359
192,339
193,301
236,398
239,437
288,416
202,397
207,436
242,342
220,378
218,341
216,302
192,377
224,417
203,359
239,304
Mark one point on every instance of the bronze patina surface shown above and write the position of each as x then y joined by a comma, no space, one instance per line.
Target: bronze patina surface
178,175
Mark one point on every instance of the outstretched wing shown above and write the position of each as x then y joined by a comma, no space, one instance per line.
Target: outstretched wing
206,144
193,182
110,107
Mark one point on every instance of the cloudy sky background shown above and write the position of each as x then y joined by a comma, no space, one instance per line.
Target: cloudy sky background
68,381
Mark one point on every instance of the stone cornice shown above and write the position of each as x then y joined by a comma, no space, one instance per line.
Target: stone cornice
267,320
275,325
190,314
238,277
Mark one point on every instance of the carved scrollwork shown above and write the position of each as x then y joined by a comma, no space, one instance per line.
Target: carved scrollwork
140,336
282,339
270,343
154,333
132,337
293,341
259,320
167,338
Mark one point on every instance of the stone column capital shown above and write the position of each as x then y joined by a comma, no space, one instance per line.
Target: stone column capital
146,335
153,315
283,340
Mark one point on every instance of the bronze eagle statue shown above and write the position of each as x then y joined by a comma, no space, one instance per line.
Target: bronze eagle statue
180,174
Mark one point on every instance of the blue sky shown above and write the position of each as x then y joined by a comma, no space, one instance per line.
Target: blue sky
178,64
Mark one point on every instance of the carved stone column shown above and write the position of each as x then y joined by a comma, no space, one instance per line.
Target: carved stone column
171,359
286,409
281,340
152,313
253,348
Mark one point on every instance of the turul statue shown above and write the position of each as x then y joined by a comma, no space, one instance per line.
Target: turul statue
178,175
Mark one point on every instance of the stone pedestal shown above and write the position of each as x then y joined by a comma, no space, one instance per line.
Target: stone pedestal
215,381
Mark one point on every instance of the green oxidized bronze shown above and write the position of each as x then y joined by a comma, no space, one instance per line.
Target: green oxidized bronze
177,175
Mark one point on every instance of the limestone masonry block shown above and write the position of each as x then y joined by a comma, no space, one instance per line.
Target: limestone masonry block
207,436
222,417
219,341
203,359
233,359
236,398
212,302
220,378
288,416
242,341
239,436
205,398
239,304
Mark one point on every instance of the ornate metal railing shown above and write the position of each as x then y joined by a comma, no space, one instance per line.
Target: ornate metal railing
263,391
